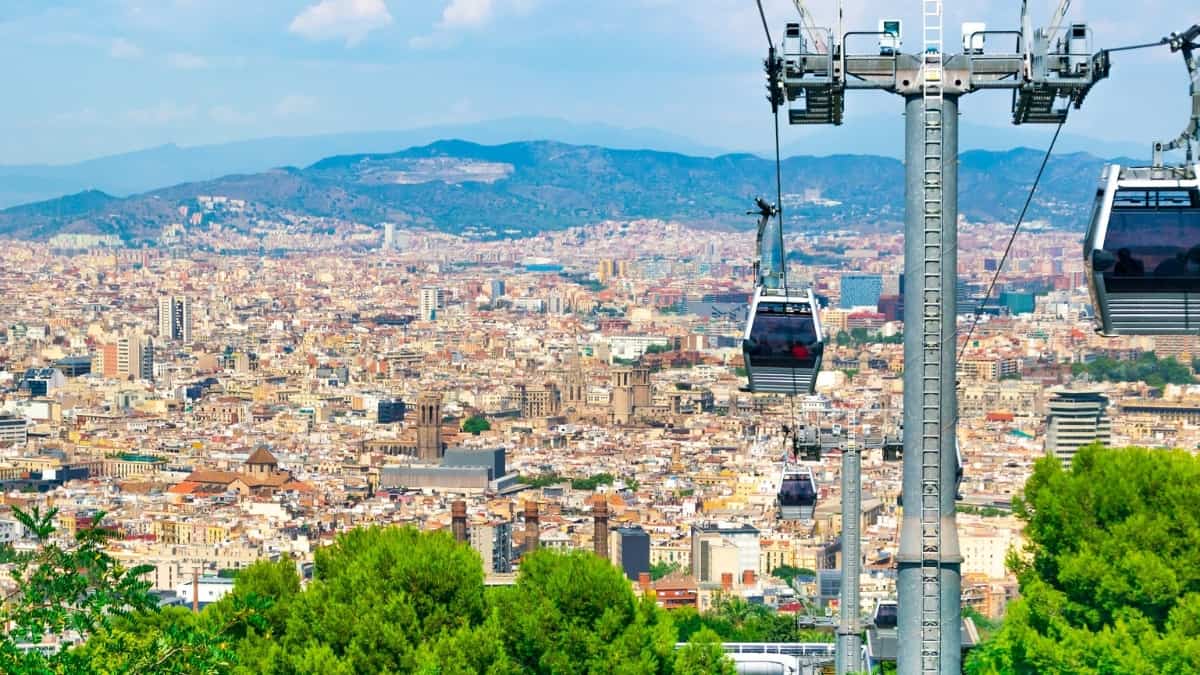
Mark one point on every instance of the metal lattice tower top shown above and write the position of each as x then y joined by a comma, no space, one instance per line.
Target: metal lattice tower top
932,71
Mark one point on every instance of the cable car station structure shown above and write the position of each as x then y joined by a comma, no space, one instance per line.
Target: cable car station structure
1048,71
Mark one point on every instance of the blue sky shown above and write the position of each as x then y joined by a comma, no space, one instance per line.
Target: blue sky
85,78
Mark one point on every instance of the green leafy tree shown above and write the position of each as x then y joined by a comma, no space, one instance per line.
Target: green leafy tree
1110,580
272,586
591,482
987,627
173,640
476,425
1146,368
703,655
379,593
788,573
76,590
540,481
735,620
661,569
574,613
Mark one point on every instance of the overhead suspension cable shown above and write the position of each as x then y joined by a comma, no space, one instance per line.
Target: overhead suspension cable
1007,249
766,30
776,100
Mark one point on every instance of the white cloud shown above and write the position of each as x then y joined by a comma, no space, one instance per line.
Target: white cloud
162,114
227,114
295,105
467,14
351,20
186,61
124,49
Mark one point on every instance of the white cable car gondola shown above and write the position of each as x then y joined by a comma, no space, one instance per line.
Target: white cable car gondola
887,614
783,343
1142,251
797,493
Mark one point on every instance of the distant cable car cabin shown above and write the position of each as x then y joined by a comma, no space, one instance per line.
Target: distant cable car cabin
893,448
797,493
887,614
1142,251
806,444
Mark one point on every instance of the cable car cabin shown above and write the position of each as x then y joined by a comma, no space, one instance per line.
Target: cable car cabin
783,343
887,614
1142,251
797,493
806,444
958,472
893,448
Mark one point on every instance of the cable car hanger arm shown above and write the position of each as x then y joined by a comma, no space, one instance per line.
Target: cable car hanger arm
1187,42
763,263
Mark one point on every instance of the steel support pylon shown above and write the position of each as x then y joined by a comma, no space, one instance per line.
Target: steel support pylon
849,650
929,561
1046,80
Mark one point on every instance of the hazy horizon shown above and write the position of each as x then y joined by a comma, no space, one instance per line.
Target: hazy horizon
103,78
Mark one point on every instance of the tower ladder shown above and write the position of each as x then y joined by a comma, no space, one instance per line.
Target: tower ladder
931,341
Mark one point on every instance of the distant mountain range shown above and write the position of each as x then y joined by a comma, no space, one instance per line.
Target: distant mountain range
143,170
149,169
522,188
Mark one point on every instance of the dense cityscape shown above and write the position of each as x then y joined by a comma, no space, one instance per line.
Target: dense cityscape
503,336
223,409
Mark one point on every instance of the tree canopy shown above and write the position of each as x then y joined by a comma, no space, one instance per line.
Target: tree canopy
72,590
1110,577
592,482
476,425
788,572
1146,368
382,599
661,569
735,620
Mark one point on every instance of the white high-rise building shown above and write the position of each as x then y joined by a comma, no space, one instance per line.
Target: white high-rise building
175,318
1076,419
389,236
14,429
135,357
432,299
